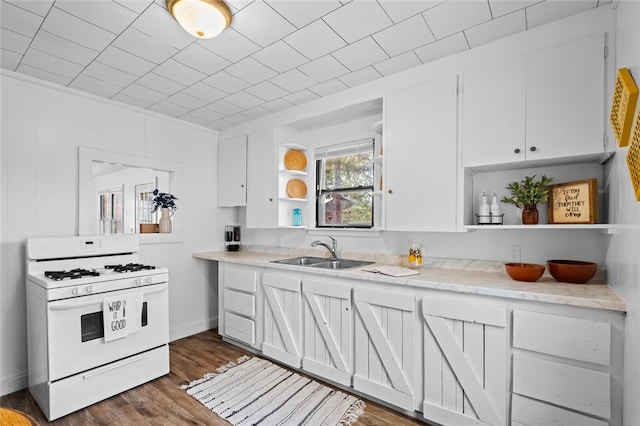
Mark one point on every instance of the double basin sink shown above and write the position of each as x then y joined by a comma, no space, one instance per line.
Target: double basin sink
323,262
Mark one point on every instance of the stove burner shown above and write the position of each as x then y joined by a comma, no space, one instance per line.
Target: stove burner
129,267
72,274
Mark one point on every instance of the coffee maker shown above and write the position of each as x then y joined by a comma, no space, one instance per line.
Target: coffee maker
232,238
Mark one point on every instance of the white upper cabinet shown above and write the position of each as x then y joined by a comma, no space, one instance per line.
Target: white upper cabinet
547,105
262,175
420,151
232,172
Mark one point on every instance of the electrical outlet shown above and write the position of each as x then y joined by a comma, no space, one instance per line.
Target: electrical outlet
514,252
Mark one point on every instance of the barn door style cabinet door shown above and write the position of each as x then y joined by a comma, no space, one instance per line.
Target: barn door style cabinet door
420,149
282,318
262,177
384,345
465,362
232,172
328,329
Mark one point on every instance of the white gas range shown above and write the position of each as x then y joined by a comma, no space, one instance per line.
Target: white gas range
98,320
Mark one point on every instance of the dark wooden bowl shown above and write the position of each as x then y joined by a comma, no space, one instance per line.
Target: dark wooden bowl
572,271
528,272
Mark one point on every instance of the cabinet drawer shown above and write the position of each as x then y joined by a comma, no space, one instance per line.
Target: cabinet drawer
525,411
240,279
241,303
239,328
573,338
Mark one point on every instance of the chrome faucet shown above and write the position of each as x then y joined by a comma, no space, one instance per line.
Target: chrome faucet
333,250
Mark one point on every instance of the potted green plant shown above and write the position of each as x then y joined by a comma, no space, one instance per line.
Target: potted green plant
527,194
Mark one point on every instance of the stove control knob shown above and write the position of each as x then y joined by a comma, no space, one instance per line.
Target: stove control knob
89,289
138,281
76,291
148,280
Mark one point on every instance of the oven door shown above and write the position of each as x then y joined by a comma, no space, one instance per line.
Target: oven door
76,330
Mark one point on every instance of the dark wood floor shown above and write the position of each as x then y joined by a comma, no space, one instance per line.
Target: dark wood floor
161,402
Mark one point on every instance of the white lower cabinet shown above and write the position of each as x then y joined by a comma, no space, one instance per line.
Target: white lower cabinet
328,329
282,318
239,304
385,345
465,362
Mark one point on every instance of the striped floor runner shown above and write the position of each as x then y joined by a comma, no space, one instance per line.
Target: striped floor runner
258,392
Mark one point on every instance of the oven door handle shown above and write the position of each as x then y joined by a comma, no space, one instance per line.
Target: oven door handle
71,305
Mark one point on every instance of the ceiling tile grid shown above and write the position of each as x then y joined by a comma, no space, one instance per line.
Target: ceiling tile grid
276,54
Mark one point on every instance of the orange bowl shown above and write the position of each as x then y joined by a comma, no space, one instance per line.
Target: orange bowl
528,272
572,271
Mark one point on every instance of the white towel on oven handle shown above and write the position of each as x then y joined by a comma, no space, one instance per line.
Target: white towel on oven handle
122,315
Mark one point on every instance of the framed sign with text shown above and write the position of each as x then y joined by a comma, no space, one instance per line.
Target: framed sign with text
574,202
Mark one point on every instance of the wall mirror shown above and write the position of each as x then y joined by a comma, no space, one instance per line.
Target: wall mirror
115,194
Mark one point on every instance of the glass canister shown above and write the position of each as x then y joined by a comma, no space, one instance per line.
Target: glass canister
297,217
415,255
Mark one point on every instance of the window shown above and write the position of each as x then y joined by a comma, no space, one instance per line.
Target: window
344,185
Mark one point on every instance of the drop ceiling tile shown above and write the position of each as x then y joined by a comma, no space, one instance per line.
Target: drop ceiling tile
125,99
136,5
168,108
43,75
261,24
224,81
158,23
205,92
328,87
293,80
267,91
361,76
159,83
324,69
19,20
230,45
142,93
174,70
201,59
451,17
192,119
256,112
405,36
111,75
237,118
140,44
301,97
276,105
105,14
301,16
9,60
358,19
44,61
92,85
125,61
224,107
548,11
61,48
244,100
439,49
280,57
39,7
399,10
72,28
503,7
307,40
13,41
206,114
503,26
360,54
220,124
187,101
397,63
250,70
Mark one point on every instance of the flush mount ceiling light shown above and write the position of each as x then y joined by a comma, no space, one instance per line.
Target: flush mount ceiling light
201,18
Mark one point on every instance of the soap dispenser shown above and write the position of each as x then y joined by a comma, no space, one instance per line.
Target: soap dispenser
484,211
496,217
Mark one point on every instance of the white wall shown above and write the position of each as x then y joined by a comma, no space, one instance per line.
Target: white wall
536,246
42,127
623,254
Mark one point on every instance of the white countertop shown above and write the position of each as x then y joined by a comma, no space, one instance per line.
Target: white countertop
462,276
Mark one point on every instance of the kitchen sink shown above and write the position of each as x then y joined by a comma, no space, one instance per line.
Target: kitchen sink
323,262
341,264
302,261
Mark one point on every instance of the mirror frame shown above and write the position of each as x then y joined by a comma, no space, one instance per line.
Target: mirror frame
86,224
